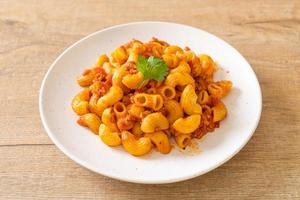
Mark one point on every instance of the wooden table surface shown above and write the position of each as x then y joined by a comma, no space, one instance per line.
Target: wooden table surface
33,33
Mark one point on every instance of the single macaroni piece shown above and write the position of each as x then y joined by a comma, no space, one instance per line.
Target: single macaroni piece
177,78
136,147
208,66
219,89
195,65
135,110
174,110
147,93
91,121
173,49
215,90
187,125
219,112
183,140
133,81
154,122
86,78
109,120
188,101
138,46
119,55
160,141
101,60
226,86
167,92
155,47
80,102
93,104
183,67
133,55
108,136
118,76
114,95
120,110
171,60
203,97
153,101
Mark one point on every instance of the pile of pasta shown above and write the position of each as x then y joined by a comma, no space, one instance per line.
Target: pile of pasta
122,109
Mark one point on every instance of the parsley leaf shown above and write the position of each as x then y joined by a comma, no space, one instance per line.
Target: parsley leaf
152,68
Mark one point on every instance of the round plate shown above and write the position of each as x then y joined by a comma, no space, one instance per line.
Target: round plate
59,87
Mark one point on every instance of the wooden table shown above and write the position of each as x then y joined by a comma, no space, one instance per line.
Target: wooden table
34,33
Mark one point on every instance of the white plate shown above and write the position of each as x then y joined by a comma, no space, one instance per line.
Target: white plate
59,86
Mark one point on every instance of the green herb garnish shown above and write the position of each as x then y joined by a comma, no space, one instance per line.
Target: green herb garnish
152,68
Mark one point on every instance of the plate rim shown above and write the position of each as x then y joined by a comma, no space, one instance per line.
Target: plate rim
134,180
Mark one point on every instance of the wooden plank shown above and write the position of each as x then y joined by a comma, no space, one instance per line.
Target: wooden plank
41,171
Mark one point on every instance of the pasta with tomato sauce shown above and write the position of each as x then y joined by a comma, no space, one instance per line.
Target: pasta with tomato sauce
144,94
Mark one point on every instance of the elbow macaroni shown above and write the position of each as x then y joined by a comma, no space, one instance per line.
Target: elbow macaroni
160,141
132,81
118,76
120,110
154,122
183,67
219,89
119,55
108,136
187,125
152,101
171,60
109,120
91,121
93,105
80,103
203,97
208,66
101,60
136,147
196,65
114,95
219,112
166,92
135,110
86,78
179,79
188,101
172,49
174,110
186,104
183,140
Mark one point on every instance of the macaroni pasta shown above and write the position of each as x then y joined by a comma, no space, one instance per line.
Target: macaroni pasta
146,93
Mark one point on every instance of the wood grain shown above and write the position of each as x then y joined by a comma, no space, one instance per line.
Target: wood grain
33,33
